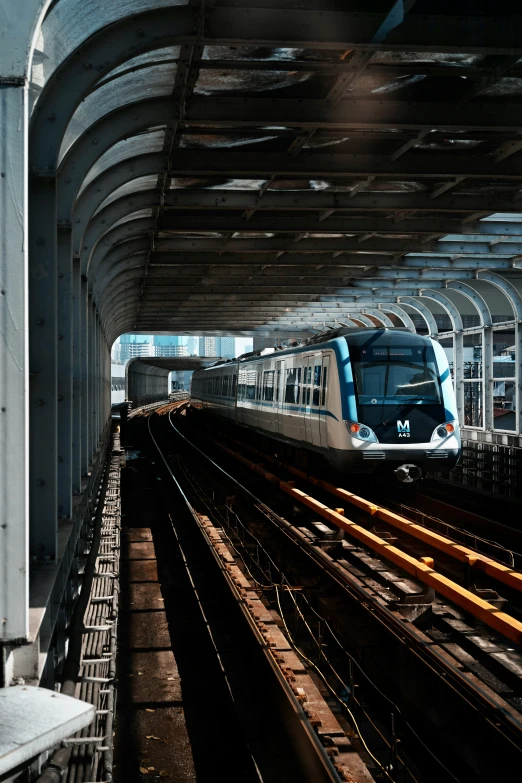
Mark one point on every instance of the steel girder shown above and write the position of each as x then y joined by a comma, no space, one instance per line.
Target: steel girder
312,113
114,44
305,223
317,200
318,165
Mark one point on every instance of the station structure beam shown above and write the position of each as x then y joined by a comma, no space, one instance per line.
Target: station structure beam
313,182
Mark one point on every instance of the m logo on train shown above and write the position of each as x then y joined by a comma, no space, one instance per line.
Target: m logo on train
403,428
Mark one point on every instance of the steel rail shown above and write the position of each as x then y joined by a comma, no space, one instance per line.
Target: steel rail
408,634
464,554
316,746
501,622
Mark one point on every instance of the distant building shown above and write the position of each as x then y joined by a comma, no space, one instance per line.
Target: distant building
132,345
226,347
170,345
207,346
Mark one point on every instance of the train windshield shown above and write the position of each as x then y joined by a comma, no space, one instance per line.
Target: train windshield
392,374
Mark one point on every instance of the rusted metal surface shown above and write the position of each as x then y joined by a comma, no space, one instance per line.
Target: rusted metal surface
346,761
314,725
489,614
432,665
152,739
504,574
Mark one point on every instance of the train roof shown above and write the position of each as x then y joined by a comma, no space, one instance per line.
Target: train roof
356,336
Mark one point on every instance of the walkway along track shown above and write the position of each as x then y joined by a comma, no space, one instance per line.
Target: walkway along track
465,677
276,718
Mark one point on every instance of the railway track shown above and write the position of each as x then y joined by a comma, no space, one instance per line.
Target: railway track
429,539
244,701
452,649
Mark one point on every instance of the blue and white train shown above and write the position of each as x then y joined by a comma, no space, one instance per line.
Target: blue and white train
362,398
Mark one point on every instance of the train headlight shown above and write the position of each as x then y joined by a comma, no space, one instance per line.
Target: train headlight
361,431
443,431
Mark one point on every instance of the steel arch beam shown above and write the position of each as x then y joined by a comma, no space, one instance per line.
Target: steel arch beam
458,345
380,315
77,75
447,304
507,288
122,123
103,221
126,250
475,298
125,236
120,267
125,282
424,311
391,307
91,198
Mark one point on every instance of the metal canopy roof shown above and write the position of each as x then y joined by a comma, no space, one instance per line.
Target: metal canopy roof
255,166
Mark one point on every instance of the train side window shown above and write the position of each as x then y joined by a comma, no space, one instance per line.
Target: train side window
317,385
242,384
234,384
325,385
292,387
277,385
307,382
289,386
268,385
250,382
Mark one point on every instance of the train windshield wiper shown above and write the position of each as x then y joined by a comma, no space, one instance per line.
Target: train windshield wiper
394,411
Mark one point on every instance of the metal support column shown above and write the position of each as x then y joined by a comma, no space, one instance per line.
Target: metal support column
518,376
65,370
92,366
14,466
487,374
458,369
43,415
78,405
85,348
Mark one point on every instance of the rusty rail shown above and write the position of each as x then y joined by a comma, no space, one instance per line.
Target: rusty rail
500,621
464,554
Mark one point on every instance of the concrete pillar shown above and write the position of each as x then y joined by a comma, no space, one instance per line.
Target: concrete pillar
65,370
14,456
77,355
43,413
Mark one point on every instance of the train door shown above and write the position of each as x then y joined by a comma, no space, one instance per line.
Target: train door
308,370
316,371
323,400
279,396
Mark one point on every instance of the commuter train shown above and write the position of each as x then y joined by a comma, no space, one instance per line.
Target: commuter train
365,399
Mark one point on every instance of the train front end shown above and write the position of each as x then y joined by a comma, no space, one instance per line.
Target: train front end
402,413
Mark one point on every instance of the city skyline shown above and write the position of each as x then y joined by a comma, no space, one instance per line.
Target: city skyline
131,345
